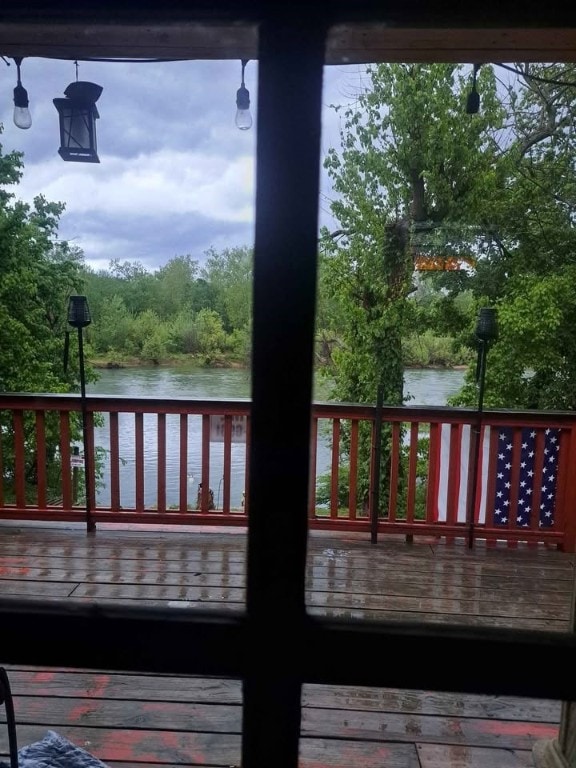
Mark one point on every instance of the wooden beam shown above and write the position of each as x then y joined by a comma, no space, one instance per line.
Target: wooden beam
350,43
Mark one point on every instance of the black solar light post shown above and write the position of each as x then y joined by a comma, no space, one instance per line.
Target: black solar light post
78,115
79,317
486,331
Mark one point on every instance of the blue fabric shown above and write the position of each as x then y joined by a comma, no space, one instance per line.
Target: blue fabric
54,751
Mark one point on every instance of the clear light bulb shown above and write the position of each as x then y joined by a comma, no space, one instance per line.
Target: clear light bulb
243,116
22,116
243,119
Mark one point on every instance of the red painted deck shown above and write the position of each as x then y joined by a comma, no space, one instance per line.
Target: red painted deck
137,720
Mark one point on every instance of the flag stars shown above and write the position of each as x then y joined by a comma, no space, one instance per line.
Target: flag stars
525,470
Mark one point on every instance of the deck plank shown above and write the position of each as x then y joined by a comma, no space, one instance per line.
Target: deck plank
441,756
146,720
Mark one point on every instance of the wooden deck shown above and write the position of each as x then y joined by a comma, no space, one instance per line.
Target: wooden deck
138,720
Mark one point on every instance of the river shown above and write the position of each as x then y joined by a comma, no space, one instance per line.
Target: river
424,387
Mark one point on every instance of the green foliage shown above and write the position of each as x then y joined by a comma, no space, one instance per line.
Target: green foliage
229,273
177,310
38,272
428,349
211,335
408,161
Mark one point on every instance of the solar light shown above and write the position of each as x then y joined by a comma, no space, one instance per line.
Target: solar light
78,312
78,115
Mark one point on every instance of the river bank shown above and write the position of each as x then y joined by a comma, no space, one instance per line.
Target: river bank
177,361
200,361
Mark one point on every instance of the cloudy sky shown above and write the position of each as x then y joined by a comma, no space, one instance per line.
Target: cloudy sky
175,175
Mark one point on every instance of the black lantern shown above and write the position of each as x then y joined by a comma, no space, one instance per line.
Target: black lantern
78,312
78,116
486,326
473,100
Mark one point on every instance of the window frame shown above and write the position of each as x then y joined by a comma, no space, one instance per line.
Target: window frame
251,646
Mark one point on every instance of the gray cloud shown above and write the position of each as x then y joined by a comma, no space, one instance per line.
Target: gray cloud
175,177
150,240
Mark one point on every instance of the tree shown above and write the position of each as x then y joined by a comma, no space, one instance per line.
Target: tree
530,273
38,273
409,160
229,274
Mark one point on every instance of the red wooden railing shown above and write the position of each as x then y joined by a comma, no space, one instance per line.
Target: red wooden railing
144,448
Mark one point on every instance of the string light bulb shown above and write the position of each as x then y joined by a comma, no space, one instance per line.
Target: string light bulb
243,116
22,116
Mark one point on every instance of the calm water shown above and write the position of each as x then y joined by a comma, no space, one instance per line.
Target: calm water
426,387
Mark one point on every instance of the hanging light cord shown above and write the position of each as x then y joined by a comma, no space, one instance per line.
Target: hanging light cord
244,62
18,62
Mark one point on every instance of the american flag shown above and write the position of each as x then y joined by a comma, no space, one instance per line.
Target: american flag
536,487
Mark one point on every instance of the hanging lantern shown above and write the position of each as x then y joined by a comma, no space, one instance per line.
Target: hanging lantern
78,116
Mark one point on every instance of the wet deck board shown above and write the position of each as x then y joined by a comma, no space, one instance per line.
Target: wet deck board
143,720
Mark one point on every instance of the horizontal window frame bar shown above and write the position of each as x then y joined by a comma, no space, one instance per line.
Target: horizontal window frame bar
224,644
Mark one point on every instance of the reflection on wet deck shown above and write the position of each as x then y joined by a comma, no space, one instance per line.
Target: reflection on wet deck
160,720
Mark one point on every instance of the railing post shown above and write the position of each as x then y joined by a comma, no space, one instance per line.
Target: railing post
376,462
569,500
75,475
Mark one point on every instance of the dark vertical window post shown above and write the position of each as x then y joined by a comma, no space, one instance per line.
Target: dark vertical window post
285,264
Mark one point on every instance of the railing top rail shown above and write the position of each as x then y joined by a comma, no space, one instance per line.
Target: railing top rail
119,403
405,413
444,414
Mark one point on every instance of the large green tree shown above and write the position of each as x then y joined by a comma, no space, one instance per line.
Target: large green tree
410,161
38,272
529,268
